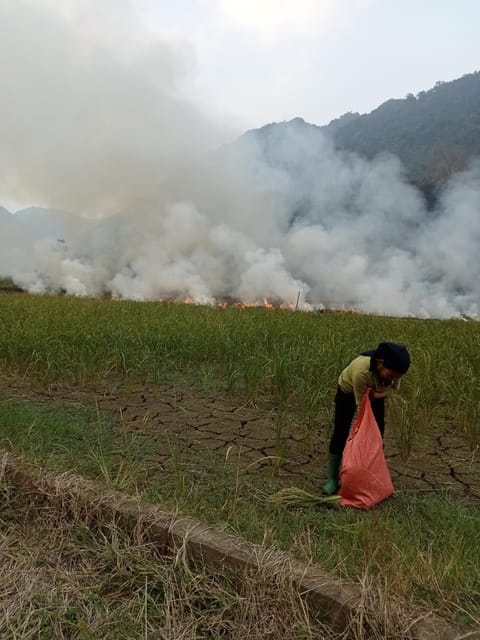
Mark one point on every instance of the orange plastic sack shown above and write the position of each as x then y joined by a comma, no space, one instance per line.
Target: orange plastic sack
365,478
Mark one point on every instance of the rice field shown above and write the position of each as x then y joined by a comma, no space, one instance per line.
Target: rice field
294,357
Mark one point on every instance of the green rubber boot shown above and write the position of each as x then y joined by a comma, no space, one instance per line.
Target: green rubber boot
333,483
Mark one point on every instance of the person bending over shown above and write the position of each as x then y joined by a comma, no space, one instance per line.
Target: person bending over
379,370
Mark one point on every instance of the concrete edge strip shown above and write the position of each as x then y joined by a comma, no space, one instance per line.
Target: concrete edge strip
334,601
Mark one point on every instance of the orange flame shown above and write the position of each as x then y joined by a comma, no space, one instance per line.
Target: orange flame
239,304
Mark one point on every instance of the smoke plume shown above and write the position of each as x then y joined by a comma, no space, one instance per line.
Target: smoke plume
106,129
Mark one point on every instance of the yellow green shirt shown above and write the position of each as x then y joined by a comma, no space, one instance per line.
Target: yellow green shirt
356,377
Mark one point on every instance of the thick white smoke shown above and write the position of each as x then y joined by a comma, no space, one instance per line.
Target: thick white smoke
96,111
105,127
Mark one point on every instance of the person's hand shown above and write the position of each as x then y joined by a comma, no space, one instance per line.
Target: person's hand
377,394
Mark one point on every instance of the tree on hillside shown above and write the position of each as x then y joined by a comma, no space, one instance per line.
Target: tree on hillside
444,162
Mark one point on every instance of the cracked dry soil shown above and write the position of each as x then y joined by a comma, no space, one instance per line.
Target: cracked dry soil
202,425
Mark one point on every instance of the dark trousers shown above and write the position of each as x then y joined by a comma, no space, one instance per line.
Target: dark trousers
345,408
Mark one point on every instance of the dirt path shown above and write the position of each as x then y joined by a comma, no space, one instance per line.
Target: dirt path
205,425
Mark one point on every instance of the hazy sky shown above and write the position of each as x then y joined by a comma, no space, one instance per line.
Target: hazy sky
272,60
98,96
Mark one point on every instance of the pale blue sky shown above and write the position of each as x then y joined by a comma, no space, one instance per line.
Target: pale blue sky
324,57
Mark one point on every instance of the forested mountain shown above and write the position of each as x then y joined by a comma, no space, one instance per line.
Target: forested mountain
434,133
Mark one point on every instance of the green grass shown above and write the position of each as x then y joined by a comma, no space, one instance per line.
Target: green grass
420,548
65,437
295,357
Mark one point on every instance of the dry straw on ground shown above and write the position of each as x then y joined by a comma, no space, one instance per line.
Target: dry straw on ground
296,497
71,567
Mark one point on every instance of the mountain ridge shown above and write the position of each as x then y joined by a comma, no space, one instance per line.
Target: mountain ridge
434,133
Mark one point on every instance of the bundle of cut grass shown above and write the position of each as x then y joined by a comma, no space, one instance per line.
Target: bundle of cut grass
295,497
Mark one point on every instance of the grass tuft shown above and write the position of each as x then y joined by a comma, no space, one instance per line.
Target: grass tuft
295,497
